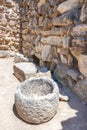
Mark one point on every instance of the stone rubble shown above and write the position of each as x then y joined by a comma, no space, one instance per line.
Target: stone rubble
49,30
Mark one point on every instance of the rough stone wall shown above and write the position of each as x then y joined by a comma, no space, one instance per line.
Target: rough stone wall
9,25
48,29
55,31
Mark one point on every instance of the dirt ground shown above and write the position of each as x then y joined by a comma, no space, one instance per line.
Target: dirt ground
71,115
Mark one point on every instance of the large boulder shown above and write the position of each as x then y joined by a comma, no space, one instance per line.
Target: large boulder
24,70
37,100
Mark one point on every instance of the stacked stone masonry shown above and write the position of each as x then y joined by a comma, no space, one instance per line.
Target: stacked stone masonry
55,31
9,25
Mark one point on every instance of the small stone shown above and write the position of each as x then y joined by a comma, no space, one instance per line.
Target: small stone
43,69
20,58
63,98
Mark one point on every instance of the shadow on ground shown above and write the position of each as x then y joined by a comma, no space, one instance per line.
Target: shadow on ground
79,121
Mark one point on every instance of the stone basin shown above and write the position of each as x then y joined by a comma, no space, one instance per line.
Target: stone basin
37,99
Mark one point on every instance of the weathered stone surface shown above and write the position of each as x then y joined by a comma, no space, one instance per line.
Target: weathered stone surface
55,32
81,89
4,54
63,20
82,64
80,30
4,47
24,70
41,74
74,74
67,5
63,98
38,98
63,59
66,41
41,2
20,58
61,71
52,40
48,53
83,16
47,29
9,25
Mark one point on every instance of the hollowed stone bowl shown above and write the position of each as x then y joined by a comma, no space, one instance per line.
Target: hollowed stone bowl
37,99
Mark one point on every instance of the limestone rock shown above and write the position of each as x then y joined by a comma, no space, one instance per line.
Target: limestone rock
24,70
9,25
63,59
52,40
4,47
68,5
41,74
4,54
37,99
48,53
63,98
83,16
82,64
80,30
66,42
68,18
63,20
56,31
20,58
60,73
41,2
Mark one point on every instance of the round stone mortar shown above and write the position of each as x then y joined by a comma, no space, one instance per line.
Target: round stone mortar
37,99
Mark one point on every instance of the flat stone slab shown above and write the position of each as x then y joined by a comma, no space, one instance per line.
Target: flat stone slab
37,100
24,70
